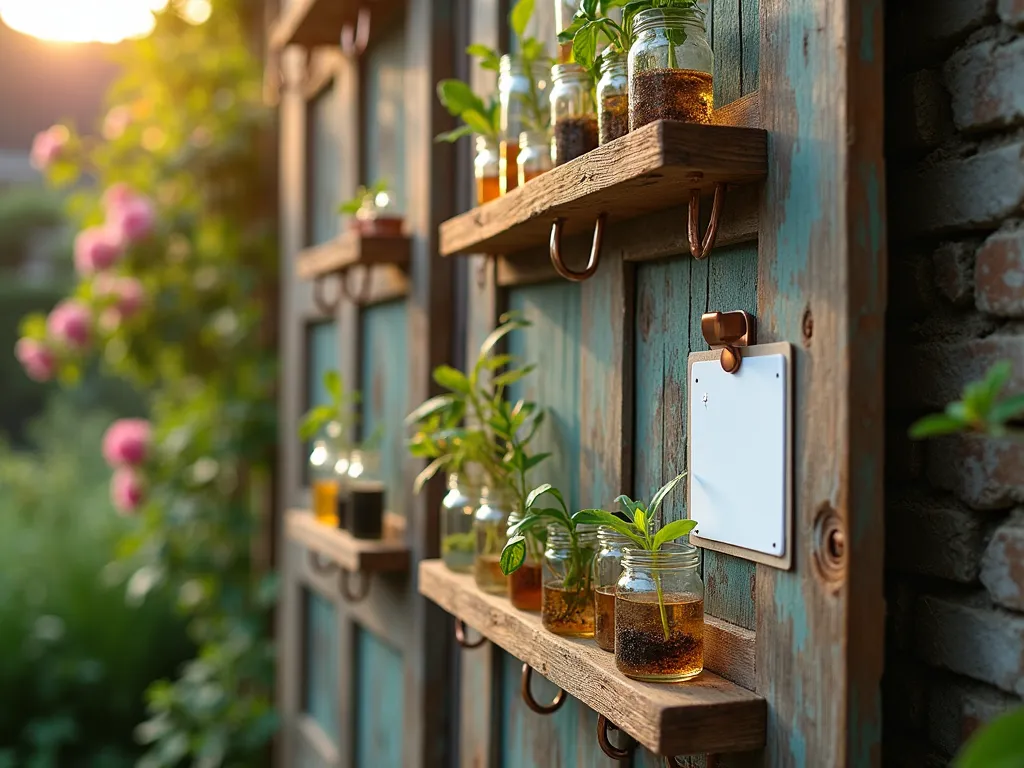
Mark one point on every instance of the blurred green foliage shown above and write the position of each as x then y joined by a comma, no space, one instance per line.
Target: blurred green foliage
75,655
984,408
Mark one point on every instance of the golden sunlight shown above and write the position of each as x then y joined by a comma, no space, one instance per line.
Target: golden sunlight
81,21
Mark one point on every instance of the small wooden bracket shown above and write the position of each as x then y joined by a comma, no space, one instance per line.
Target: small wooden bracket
540,709
700,248
728,331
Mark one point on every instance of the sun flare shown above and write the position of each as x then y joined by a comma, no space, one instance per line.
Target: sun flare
87,21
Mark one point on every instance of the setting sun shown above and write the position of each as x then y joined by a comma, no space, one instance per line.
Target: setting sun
84,21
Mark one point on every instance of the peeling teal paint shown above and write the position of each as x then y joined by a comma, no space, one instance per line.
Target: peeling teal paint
789,605
379,702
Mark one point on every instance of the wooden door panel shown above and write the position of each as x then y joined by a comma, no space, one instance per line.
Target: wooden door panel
321,663
324,153
384,156
377,698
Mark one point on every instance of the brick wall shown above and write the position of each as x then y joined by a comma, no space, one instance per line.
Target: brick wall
955,507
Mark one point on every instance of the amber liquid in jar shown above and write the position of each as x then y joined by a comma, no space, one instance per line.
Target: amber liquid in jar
524,587
670,94
568,612
604,618
641,650
487,570
507,161
325,501
488,188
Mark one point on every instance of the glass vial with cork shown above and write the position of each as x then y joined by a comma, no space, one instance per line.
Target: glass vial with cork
573,117
567,607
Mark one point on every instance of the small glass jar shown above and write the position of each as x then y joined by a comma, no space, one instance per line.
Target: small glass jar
523,102
486,170
458,508
490,525
670,66
568,603
612,97
366,500
659,614
322,477
534,155
607,570
341,466
524,583
572,113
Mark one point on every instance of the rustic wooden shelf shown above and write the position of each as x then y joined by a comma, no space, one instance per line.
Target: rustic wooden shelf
389,555
707,714
319,22
352,249
651,169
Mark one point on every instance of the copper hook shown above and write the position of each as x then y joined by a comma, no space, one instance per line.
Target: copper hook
460,636
327,307
364,291
700,249
481,270
540,709
347,593
555,247
729,331
323,567
353,43
615,753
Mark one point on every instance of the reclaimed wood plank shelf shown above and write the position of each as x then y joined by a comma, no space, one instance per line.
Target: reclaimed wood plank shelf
352,249
707,714
387,555
319,22
650,169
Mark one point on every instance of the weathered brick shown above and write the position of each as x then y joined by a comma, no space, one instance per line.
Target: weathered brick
967,193
985,473
999,273
1002,567
1012,12
985,82
935,374
933,537
965,635
958,707
953,264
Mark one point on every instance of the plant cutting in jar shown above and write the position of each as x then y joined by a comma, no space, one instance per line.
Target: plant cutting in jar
365,198
643,530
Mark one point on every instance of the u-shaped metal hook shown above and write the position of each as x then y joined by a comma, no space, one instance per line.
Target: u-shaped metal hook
460,636
325,306
354,42
700,248
364,289
615,753
540,709
346,590
323,567
595,251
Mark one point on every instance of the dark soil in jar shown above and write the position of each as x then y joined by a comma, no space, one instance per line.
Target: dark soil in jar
670,94
574,137
614,118
366,511
641,649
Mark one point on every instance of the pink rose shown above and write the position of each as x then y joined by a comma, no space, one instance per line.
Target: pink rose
48,145
96,249
128,292
36,358
127,490
130,215
70,324
117,195
126,442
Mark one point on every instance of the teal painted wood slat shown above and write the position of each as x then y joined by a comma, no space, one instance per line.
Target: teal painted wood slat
725,40
384,373
384,126
322,357
321,663
378,696
750,26
324,165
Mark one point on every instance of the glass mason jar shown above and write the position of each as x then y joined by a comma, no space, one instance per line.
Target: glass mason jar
607,570
366,499
524,583
670,66
486,170
523,102
491,525
322,477
341,477
534,155
572,113
612,97
457,511
568,604
659,614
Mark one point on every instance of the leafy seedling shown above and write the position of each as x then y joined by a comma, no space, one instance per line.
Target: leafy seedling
983,409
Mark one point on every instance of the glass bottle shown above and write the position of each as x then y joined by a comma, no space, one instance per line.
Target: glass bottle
491,525
365,495
612,97
572,113
534,155
341,465
607,570
524,583
568,604
522,97
323,481
457,511
486,170
659,614
670,66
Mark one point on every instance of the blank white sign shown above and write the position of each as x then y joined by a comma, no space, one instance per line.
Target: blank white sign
738,453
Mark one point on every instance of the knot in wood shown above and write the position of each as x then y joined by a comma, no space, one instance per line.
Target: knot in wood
830,550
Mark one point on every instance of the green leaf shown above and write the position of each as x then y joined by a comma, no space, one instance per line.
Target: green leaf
663,492
935,425
519,17
1009,409
533,461
429,408
507,326
513,555
451,378
457,97
584,45
589,7
628,503
454,135
476,120
603,517
536,493
511,377
1000,744
315,420
673,531
431,469
567,34
639,520
332,383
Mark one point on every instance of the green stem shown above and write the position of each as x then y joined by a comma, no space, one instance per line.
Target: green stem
661,604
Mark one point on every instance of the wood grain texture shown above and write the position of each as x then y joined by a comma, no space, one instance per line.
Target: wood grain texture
350,553
708,714
350,249
822,286
319,22
378,696
649,169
